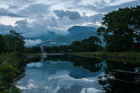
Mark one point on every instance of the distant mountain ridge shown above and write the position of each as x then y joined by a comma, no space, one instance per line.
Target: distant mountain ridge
76,33
77,29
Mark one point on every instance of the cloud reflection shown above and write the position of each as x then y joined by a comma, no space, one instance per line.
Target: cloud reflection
34,64
56,79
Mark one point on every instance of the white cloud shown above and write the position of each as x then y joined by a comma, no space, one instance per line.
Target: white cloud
30,42
34,64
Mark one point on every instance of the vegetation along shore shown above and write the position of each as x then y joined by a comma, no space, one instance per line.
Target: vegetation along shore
110,55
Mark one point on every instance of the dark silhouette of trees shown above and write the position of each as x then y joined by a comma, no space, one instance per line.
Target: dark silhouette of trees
12,42
121,29
87,45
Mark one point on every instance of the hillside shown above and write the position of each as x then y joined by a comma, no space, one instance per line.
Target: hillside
76,33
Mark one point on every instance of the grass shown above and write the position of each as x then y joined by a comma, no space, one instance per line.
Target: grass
119,56
127,55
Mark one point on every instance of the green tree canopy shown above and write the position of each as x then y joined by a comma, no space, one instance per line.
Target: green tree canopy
121,28
13,42
2,43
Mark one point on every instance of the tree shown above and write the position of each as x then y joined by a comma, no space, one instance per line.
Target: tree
18,40
76,46
2,43
9,45
121,28
93,42
84,44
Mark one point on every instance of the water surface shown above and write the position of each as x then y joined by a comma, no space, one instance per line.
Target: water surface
72,74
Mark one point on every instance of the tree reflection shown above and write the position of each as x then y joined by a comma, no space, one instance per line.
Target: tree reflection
22,65
117,81
93,64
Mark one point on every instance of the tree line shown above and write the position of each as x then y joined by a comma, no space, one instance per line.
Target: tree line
14,42
91,44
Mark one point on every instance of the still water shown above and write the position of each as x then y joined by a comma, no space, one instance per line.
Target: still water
72,74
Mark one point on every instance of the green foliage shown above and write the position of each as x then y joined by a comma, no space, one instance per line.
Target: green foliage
87,45
10,57
2,43
121,29
32,50
7,74
12,42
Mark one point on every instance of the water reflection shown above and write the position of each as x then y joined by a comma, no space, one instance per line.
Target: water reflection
57,74
72,74
121,77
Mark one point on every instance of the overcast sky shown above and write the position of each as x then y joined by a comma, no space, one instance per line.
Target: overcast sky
33,18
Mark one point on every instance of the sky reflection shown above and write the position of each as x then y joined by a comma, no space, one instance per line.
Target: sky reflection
59,77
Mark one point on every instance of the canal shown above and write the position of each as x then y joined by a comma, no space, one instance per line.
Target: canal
73,74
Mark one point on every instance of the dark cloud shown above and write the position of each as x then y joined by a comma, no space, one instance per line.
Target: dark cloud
22,24
97,18
19,1
5,12
77,1
5,29
59,13
40,20
13,7
21,28
52,22
35,9
73,15
107,9
112,1
101,7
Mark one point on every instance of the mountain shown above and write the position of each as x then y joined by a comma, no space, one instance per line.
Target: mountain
77,29
76,33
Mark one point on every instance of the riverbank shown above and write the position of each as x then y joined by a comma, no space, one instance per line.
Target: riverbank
109,55
10,72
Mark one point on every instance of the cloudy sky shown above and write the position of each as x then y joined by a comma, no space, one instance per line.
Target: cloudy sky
33,18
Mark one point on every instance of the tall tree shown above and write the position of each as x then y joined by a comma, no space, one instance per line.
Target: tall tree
121,28
2,43
93,41
18,40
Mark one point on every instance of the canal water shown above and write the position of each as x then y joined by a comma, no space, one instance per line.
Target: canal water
73,74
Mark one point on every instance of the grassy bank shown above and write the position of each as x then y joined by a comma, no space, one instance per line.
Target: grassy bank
118,55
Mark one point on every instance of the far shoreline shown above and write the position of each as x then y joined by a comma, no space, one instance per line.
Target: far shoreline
117,56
